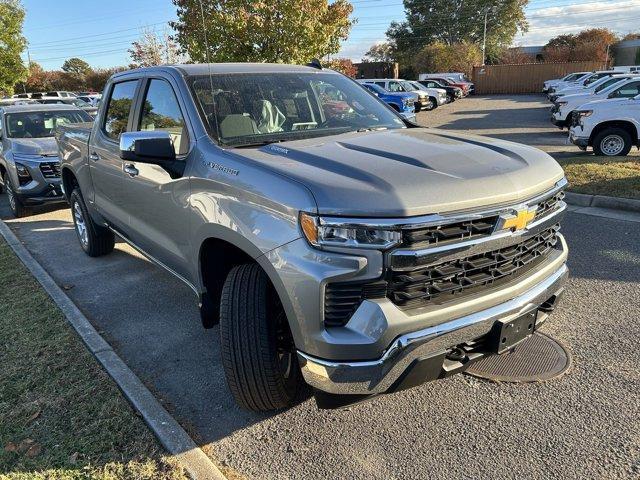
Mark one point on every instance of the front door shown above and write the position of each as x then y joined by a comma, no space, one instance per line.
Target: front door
157,204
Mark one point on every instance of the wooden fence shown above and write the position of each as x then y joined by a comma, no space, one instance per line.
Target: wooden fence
526,77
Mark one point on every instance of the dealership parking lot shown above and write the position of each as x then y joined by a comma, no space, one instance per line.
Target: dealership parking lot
583,425
519,118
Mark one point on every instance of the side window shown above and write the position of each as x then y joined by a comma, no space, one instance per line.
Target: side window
629,90
120,102
161,111
395,87
381,84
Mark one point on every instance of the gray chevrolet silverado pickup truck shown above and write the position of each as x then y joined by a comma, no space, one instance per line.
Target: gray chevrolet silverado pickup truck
334,242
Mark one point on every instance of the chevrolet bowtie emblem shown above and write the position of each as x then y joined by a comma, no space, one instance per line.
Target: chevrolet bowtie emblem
518,221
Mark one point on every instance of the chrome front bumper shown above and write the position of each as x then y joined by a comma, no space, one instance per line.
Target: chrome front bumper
381,375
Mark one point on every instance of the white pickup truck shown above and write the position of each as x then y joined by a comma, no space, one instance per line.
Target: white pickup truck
614,87
611,127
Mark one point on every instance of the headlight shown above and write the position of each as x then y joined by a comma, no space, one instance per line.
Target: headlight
561,103
320,231
23,172
584,113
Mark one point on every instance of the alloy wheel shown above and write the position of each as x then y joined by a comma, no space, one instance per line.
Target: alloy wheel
10,194
81,226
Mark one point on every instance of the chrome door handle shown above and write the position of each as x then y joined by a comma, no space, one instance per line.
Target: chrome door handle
94,156
129,169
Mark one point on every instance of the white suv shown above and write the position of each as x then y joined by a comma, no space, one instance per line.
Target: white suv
613,87
611,127
555,81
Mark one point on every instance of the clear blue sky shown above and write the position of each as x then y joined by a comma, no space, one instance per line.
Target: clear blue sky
101,31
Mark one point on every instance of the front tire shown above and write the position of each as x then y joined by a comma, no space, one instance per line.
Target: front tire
612,142
94,239
16,206
431,105
258,354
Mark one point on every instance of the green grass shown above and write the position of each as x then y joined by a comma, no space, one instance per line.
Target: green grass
61,415
612,176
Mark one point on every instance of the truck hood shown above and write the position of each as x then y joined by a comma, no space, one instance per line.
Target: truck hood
594,103
34,146
406,172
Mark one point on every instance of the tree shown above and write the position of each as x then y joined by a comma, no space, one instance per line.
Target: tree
440,57
380,52
12,44
452,22
76,67
286,31
631,36
590,44
342,65
153,49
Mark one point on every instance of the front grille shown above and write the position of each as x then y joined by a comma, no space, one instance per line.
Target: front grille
50,169
342,299
449,233
415,288
548,205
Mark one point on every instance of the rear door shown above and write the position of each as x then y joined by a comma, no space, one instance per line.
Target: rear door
110,183
157,204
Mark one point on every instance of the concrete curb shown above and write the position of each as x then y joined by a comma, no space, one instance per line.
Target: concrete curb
602,201
168,431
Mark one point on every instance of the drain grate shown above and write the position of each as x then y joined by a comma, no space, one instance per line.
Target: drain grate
537,359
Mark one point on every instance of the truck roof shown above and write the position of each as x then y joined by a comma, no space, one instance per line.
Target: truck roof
37,107
215,68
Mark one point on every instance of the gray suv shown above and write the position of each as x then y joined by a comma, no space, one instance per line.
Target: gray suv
29,165
333,241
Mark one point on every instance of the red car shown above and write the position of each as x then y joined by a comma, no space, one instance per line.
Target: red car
447,81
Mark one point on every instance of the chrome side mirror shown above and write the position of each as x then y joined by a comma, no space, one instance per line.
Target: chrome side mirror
147,147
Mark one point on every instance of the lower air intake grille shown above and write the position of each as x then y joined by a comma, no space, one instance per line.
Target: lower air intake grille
416,288
342,299
50,169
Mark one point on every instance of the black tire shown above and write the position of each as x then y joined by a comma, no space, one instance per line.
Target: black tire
254,340
94,239
612,142
395,107
450,98
431,105
17,207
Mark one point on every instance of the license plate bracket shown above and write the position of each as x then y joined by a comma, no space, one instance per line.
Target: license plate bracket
508,333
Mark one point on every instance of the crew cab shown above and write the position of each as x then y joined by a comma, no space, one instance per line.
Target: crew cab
611,127
564,108
342,247
402,102
29,165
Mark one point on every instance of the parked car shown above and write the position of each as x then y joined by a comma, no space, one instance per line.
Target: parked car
394,85
436,96
458,79
588,81
452,92
76,102
562,111
563,84
401,102
93,100
5,102
465,87
591,88
356,251
609,126
22,95
29,164
567,78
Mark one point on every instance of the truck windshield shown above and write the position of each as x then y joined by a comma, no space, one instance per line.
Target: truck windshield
249,109
41,124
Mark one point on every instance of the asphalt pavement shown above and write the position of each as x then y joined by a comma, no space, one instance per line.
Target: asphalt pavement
583,425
